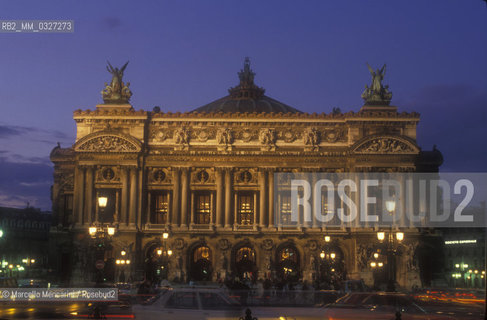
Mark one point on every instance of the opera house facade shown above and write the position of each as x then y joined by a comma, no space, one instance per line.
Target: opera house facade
190,196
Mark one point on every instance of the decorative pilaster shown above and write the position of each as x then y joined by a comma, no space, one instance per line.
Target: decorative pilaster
184,197
88,210
133,197
125,195
263,198
78,194
219,197
271,198
149,204
228,197
176,198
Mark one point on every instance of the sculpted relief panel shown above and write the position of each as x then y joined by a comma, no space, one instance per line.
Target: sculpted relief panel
107,143
382,145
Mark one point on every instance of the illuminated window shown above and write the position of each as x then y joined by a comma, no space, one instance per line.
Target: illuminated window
288,253
160,209
245,209
203,208
245,253
201,253
286,209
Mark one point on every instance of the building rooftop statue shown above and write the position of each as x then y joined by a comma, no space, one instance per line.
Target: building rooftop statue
246,97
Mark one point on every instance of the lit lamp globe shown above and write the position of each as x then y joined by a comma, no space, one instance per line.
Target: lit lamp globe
322,255
165,235
381,236
102,202
400,236
390,206
332,255
92,231
110,231
169,252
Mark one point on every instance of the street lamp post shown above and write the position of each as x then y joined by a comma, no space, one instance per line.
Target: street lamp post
391,246
101,236
163,255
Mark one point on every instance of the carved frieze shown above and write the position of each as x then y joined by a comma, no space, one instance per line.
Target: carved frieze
107,174
181,139
223,244
179,244
267,244
267,137
311,139
203,176
247,135
158,135
66,181
288,135
245,176
334,135
381,145
159,176
107,143
224,138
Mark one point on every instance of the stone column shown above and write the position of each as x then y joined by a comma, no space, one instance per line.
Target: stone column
228,198
271,198
255,210
88,196
176,198
219,197
192,209
149,204
140,174
78,194
235,210
116,217
133,197
263,198
212,208
184,197
125,195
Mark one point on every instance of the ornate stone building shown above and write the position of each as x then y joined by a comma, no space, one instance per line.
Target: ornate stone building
206,178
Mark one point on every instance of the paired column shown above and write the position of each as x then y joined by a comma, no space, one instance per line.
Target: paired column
125,195
228,197
176,198
263,198
219,197
271,198
184,197
79,194
89,196
133,197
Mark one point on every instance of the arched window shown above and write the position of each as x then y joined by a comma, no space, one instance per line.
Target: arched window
201,253
245,253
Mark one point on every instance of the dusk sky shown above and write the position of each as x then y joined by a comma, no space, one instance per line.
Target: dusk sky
310,55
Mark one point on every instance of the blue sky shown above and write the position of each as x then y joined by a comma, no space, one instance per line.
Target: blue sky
183,54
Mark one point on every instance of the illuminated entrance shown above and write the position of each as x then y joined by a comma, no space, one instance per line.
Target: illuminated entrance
245,263
201,268
288,263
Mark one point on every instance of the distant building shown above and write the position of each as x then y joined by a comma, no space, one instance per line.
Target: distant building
25,241
206,178
465,256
